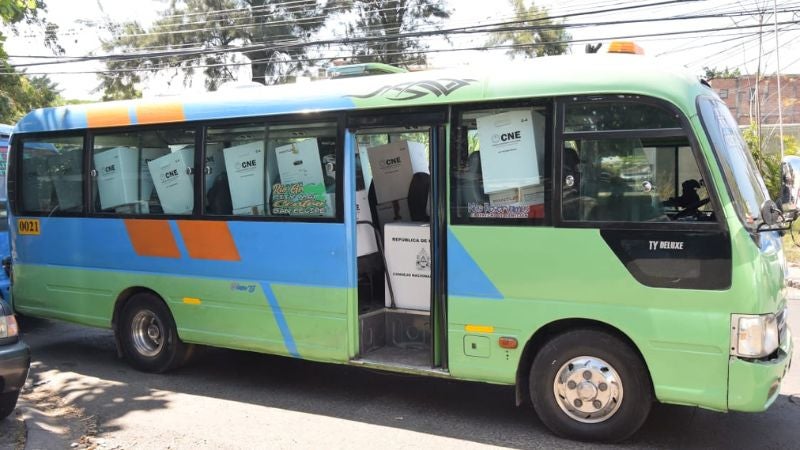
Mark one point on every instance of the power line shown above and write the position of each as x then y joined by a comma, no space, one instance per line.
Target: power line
489,28
426,51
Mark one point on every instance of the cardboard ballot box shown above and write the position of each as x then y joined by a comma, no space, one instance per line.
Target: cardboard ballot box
299,162
173,181
393,165
365,234
245,166
408,264
508,151
118,175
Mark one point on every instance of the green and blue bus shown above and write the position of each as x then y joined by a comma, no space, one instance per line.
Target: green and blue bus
589,229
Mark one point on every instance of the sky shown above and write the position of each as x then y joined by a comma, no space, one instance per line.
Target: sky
735,46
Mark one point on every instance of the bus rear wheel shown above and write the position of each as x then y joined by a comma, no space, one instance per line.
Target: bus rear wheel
148,336
590,385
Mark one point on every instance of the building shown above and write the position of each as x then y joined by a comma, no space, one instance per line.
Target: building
740,95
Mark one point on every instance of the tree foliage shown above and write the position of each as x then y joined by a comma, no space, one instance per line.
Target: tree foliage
715,74
541,35
202,36
381,28
768,164
18,93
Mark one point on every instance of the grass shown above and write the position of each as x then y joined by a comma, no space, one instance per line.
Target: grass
791,250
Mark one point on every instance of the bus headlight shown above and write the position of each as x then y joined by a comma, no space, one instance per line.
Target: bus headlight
754,336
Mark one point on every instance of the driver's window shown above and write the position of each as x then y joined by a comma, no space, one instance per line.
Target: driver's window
639,178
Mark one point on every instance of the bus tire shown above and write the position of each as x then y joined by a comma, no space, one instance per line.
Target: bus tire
148,335
590,385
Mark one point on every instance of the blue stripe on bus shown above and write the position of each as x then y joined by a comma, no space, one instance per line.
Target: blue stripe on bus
288,340
308,254
52,119
176,233
259,106
464,277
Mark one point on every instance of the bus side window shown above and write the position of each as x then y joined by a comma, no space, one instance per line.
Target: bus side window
52,175
498,170
144,172
613,178
257,169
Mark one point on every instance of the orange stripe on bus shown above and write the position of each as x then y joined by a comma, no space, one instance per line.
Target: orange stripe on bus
152,238
160,113
111,115
205,239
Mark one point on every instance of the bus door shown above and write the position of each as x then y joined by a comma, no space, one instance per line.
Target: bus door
397,223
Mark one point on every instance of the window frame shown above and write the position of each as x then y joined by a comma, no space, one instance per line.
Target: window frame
547,176
685,131
88,135
91,180
284,119
14,169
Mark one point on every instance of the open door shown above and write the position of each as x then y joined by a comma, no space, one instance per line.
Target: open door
396,225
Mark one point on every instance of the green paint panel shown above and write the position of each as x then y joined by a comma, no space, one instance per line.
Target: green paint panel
232,314
543,280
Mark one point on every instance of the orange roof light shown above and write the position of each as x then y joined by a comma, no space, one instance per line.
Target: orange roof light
625,47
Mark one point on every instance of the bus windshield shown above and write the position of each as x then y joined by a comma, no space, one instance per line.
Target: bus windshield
741,174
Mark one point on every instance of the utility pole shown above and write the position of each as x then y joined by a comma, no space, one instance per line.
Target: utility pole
778,74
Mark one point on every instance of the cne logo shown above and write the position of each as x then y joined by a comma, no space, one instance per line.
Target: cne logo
248,164
507,137
166,176
110,169
388,163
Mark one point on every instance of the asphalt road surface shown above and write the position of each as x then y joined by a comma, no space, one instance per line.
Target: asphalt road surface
80,395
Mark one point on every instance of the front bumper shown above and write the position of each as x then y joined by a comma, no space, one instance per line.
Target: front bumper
754,385
15,360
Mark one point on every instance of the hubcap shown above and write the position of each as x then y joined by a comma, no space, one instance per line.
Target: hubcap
147,333
588,389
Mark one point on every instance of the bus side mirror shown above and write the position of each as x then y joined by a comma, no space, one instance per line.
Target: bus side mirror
770,213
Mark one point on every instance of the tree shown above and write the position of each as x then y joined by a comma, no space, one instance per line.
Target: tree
18,93
715,74
541,35
213,37
380,26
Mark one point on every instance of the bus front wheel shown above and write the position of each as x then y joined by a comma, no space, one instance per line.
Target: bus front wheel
590,385
148,336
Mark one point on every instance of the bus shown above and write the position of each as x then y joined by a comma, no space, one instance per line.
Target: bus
590,230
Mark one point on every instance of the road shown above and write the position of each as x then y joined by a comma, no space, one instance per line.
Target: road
79,394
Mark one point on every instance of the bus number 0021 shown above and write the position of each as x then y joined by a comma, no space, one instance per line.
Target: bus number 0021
28,226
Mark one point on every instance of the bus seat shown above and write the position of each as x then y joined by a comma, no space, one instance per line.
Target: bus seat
418,194
472,182
219,196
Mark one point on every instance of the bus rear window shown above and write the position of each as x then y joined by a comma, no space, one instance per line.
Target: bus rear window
51,175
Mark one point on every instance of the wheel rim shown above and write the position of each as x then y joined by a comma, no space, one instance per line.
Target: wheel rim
588,389
147,333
